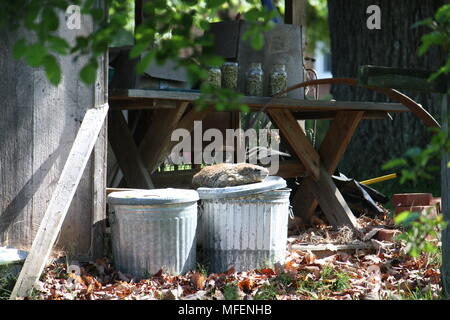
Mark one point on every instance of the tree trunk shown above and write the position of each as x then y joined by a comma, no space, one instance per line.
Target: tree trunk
394,45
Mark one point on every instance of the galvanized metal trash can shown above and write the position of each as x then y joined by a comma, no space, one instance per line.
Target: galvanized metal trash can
153,229
245,226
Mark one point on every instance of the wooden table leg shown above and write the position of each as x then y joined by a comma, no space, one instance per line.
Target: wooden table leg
126,151
297,139
154,145
320,182
331,151
157,145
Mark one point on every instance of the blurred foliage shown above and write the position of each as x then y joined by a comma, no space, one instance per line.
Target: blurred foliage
172,30
420,227
417,163
317,25
439,36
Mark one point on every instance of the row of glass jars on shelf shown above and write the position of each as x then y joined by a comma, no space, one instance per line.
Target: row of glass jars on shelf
227,75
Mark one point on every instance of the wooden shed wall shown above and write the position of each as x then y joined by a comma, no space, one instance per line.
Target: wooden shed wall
38,124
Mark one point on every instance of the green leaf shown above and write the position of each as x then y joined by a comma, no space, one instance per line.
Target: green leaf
97,14
406,217
252,15
58,45
204,25
20,48
429,39
50,19
35,54
427,21
213,60
395,163
443,14
87,6
215,3
88,72
257,41
138,49
52,69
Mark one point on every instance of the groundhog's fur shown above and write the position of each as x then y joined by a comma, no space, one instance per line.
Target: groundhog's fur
229,174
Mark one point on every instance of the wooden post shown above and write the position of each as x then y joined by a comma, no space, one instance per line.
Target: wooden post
324,190
295,13
297,139
445,196
127,153
154,147
331,151
99,160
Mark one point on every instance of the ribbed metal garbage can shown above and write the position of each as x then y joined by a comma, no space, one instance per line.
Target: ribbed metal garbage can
153,229
245,227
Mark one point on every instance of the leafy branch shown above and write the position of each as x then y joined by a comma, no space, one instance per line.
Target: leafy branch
171,30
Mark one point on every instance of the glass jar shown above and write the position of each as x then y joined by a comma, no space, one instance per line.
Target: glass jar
278,80
229,75
254,81
214,76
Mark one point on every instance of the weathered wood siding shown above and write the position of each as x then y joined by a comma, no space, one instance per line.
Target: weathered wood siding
38,124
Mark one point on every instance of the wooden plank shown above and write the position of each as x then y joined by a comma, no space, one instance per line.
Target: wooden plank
332,247
59,204
99,163
110,190
136,104
445,195
330,115
331,151
127,153
186,122
401,79
142,100
297,139
291,169
332,202
155,145
295,12
183,178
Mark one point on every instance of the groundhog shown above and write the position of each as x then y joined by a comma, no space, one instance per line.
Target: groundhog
229,174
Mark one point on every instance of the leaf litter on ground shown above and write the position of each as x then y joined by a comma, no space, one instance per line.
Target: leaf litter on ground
384,272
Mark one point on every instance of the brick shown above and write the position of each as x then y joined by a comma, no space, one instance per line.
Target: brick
387,234
437,202
432,208
412,199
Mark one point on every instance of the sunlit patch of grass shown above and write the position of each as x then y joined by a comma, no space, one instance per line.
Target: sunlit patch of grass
231,291
330,280
281,284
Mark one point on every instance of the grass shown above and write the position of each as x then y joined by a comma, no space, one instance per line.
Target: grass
203,269
278,285
331,280
7,282
231,291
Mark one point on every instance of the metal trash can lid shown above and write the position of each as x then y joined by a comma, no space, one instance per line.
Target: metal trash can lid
153,196
268,184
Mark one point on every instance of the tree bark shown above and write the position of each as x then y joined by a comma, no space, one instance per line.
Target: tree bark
394,45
